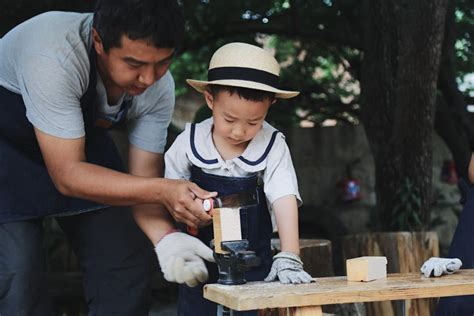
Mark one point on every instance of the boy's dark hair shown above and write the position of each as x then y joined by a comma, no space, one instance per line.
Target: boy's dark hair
159,21
245,93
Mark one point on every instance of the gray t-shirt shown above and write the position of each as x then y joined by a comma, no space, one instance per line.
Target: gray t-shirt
46,60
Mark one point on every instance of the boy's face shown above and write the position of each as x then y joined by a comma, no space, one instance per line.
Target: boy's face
236,120
133,67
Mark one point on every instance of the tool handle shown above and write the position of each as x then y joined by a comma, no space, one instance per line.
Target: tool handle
208,205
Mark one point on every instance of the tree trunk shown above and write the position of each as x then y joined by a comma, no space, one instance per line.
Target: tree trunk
402,49
452,121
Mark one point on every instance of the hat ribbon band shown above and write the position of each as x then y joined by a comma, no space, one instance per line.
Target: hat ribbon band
242,73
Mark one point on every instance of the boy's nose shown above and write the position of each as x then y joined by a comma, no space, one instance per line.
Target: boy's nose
238,132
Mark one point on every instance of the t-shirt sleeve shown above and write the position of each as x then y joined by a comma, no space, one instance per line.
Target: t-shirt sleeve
52,96
149,131
280,176
177,164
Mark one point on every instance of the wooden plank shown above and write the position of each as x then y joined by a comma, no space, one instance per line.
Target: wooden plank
337,290
226,225
367,268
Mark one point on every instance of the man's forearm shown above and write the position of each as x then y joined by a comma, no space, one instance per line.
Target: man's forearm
103,185
154,220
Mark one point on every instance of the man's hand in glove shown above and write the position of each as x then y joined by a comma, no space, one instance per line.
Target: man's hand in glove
435,266
181,258
288,268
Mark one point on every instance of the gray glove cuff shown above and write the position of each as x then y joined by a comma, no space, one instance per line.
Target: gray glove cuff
288,255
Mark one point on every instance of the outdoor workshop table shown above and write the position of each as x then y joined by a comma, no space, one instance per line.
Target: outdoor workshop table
306,299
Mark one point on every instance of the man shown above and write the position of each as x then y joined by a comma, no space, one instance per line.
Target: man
64,79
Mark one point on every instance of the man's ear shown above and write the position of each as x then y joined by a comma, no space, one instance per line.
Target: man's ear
209,99
97,40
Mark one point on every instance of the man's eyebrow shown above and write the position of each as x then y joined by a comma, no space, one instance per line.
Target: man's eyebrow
132,60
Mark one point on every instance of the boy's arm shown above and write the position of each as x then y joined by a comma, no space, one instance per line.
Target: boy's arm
286,214
287,266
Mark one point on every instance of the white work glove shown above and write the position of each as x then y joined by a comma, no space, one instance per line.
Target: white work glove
435,266
288,268
181,258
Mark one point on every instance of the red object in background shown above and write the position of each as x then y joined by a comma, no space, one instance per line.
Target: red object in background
351,190
448,172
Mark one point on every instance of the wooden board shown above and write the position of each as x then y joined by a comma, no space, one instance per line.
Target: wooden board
226,223
337,290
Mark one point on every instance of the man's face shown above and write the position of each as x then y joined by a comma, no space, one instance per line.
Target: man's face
132,67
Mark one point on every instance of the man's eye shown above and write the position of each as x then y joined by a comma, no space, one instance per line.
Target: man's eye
134,66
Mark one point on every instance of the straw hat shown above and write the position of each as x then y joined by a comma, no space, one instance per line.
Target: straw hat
243,65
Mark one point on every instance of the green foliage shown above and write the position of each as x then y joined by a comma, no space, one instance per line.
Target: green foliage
405,214
318,42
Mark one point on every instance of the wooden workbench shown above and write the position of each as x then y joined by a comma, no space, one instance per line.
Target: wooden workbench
306,299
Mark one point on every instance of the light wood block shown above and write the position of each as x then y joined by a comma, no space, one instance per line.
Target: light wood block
338,290
366,268
226,225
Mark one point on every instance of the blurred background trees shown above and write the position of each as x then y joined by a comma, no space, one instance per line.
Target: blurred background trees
394,66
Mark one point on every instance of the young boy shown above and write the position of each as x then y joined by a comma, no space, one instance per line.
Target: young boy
236,150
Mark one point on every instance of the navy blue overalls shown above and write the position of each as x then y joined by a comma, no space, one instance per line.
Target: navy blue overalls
256,227
107,241
462,247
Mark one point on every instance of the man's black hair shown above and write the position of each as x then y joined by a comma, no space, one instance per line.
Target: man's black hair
158,21
245,93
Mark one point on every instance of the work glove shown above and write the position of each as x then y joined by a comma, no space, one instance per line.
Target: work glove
435,266
181,258
288,268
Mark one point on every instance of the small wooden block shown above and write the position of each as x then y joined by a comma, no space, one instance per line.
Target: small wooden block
226,222
366,268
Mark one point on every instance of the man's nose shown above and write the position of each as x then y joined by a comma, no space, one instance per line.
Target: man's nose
148,76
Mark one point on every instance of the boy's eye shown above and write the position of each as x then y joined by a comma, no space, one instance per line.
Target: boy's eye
228,120
252,124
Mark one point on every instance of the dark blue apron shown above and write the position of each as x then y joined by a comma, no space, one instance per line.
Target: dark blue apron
26,189
256,227
462,247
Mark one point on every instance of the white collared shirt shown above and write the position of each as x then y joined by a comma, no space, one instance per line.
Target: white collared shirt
266,153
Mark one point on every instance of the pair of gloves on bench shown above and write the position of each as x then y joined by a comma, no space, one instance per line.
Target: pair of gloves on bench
182,256
435,267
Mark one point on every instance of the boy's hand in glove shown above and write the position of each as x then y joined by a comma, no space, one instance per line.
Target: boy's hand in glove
288,268
435,266
181,258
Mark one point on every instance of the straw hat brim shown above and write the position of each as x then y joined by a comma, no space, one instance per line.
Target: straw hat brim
200,86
